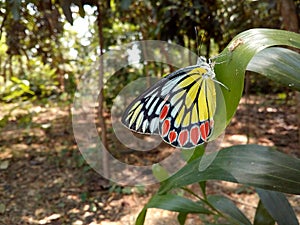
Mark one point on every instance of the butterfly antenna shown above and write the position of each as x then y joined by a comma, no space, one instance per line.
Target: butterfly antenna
201,41
223,85
197,42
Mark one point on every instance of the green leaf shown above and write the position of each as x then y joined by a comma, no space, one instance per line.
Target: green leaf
262,217
202,185
278,207
176,203
191,154
226,206
252,165
141,217
159,172
182,218
232,63
279,64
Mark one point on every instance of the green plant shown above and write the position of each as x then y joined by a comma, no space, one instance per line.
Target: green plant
38,81
270,172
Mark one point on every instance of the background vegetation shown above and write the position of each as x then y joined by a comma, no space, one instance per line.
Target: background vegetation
42,59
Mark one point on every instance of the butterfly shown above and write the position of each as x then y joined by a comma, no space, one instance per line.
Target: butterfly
180,107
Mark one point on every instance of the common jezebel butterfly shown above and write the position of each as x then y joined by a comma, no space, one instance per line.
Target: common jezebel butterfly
180,107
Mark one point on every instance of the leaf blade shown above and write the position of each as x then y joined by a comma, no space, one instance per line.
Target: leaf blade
279,64
226,206
253,165
232,63
140,220
176,203
278,207
262,217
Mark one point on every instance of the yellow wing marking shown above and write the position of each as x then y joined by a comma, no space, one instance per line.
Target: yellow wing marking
139,120
187,81
135,113
207,100
176,97
198,71
179,117
186,120
195,117
211,97
192,94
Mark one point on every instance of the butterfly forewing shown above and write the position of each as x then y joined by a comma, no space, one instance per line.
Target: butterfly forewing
180,108
149,104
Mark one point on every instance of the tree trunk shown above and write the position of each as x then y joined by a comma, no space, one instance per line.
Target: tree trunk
101,116
290,22
289,15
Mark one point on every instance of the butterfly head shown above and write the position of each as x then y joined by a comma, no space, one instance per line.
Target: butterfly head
201,61
207,67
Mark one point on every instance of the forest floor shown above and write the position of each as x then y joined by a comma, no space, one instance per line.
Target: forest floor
45,180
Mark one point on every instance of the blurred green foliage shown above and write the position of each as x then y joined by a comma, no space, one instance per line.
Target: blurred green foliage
39,81
39,57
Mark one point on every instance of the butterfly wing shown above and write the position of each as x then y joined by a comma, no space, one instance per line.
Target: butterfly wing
179,108
142,115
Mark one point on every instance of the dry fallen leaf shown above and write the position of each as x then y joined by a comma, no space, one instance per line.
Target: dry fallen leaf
4,165
2,208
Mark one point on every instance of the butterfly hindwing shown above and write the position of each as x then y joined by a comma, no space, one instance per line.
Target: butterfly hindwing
187,120
180,108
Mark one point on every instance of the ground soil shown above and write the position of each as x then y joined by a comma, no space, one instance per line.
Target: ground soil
45,180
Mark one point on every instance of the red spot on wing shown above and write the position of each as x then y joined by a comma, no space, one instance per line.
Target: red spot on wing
165,128
195,135
172,136
183,137
205,129
164,112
